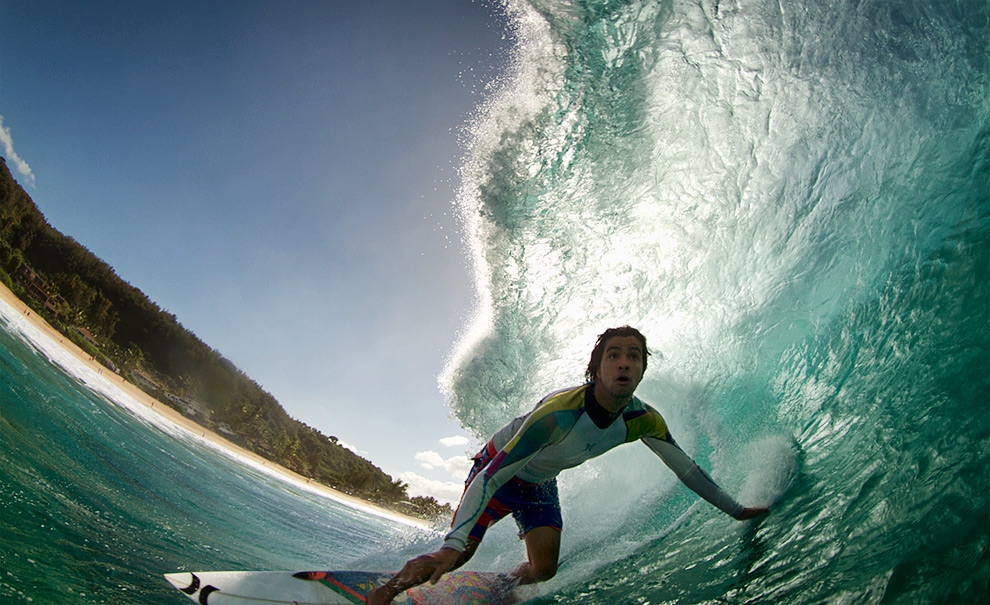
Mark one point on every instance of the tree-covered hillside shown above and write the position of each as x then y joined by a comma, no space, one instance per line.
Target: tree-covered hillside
87,301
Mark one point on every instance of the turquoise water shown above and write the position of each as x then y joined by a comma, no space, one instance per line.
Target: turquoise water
790,201
98,499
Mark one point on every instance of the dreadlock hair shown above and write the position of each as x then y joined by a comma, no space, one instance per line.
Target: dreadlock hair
599,351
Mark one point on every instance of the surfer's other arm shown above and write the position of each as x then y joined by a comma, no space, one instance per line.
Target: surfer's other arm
692,475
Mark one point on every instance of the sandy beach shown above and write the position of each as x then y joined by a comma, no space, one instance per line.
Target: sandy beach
178,419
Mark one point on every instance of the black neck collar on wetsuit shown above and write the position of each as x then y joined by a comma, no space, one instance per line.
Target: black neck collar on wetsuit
598,414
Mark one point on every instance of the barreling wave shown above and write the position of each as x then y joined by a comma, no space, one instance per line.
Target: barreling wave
791,202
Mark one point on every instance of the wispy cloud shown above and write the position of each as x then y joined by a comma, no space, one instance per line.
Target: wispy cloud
8,146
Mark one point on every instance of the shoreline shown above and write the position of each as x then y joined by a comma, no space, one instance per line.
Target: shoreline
174,417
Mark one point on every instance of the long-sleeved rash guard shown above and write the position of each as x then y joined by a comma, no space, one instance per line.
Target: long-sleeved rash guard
565,429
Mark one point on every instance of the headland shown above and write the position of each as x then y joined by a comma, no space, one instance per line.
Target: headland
175,418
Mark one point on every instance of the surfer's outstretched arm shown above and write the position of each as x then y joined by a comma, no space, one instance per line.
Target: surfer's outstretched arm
691,475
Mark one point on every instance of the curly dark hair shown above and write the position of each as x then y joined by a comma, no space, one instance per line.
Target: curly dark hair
599,351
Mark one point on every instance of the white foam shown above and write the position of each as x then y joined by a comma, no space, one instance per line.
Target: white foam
772,464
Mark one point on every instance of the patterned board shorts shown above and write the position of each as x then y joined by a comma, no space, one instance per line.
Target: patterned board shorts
532,504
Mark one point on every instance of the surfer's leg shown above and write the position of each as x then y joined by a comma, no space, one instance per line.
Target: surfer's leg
543,549
540,522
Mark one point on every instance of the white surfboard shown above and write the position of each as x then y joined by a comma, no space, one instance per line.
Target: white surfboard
337,588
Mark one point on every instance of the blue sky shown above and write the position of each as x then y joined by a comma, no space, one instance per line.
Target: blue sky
278,175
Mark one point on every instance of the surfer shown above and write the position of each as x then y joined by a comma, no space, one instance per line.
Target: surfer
516,470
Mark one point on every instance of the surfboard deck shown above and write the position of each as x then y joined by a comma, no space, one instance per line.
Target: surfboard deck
337,588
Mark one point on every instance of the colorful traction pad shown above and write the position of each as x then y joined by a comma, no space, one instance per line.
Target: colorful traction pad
457,588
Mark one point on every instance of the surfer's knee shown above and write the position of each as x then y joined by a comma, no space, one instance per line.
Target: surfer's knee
544,570
538,571
543,551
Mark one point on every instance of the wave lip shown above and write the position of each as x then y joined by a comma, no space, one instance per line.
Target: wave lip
792,205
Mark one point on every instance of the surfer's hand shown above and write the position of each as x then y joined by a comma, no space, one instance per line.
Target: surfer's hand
415,572
445,558
429,566
749,513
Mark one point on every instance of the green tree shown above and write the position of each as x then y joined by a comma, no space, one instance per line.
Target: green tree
136,335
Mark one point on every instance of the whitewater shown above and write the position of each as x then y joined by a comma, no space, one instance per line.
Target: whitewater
791,201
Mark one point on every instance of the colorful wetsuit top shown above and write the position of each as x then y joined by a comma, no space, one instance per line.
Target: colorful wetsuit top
565,429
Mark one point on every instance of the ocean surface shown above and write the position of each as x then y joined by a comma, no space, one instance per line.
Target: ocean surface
791,200
99,495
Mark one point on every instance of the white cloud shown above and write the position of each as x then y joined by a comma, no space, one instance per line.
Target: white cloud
352,448
8,146
429,459
454,441
458,466
443,491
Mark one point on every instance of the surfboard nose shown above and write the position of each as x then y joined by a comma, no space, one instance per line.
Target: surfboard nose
184,581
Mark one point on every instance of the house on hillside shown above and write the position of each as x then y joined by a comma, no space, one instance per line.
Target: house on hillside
143,379
85,334
37,288
191,407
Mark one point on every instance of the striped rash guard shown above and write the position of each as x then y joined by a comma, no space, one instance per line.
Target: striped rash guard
564,430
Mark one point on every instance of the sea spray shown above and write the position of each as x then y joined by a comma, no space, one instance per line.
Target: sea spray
771,464
792,203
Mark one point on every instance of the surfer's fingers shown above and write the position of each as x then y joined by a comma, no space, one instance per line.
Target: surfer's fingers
438,573
415,570
750,513
444,559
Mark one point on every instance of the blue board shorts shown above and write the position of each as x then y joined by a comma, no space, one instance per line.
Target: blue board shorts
532,504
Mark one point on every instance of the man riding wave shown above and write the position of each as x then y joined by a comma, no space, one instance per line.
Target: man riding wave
516,470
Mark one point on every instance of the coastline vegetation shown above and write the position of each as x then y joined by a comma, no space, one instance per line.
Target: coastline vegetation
82,297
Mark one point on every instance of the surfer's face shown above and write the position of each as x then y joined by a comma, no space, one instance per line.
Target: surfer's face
621,370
